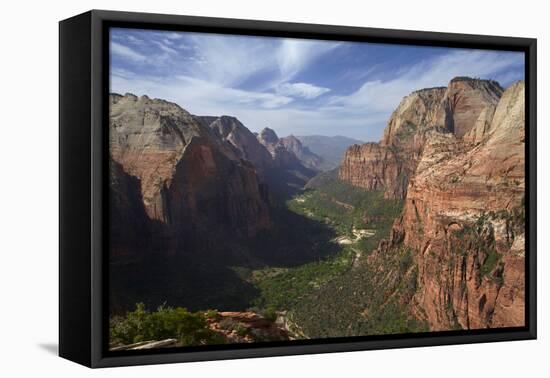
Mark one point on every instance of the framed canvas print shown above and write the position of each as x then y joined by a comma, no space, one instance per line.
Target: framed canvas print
233,188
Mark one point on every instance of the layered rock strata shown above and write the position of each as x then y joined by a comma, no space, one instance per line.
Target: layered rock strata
464,219
462,109
190,180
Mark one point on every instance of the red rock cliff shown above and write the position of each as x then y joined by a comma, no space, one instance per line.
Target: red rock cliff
190,179
461,108
464,219
464,222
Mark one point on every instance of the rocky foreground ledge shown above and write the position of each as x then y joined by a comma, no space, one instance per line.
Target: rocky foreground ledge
233,327
151,344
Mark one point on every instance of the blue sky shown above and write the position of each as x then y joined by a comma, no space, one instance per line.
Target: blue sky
294,86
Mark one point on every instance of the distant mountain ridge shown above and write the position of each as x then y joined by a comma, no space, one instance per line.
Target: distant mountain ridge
330,149
275,159
308,158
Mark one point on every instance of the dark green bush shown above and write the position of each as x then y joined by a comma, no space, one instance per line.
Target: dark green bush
167,322
270,314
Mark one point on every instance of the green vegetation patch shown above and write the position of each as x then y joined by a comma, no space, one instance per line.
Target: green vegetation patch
284,289
164,323
359,219
491,261
371,299
343,294
344,207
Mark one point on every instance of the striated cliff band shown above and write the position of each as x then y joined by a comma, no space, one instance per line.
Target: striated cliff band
190,181
456,156
462,109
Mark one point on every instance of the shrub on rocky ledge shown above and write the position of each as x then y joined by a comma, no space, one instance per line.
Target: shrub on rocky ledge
167,322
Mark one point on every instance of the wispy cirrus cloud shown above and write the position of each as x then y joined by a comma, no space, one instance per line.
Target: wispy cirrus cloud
294,86
164,46
378,95
201,96
126,52
174,35
227,61
303,90
294,55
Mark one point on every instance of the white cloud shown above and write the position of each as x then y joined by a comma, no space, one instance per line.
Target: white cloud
121,72
303,90
197,96
255,109
205,79
164,47
134,40
378,95
174,35
126,52
185,46
293,55
229,61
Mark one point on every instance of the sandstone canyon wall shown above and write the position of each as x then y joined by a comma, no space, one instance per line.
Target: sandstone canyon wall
464,218
457,157
389,164
191,182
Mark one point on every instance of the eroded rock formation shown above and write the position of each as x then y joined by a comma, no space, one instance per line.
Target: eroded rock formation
243,140
190,179
463,218
468,204
247,327
289,174
308,158
462,109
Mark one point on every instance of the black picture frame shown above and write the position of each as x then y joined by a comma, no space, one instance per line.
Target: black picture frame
83,166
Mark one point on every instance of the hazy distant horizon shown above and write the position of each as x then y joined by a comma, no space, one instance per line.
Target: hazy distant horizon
293,86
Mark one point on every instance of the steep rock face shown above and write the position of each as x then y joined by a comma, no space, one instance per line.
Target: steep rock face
206,121
245,142
215,192
180,165
464,101
282,157
371,166
268,138
129,224
274,160
388,165
289,174
417,113
463,109
464,221
308,158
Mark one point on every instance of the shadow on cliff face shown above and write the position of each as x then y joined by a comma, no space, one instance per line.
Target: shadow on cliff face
177,282
196,272
293,240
